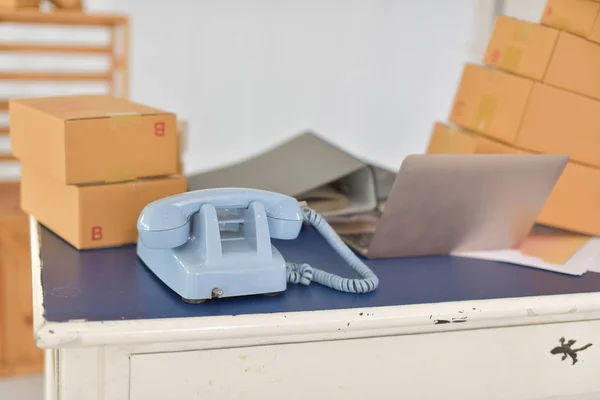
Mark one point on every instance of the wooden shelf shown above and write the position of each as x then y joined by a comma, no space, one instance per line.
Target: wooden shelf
116,77
18,353
74,18
29,367
54,76
55,49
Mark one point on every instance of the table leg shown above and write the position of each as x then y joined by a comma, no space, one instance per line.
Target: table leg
49,374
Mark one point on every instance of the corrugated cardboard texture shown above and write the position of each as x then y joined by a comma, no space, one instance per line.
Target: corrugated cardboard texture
449,140
575,66
93,139
573,204
92,216
557,121
491,102
575,16
521,47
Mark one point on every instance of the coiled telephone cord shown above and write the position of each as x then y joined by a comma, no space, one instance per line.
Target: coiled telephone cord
304,274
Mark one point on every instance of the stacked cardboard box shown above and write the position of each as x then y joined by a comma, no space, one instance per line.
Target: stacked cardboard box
538,93
73,5
89,164
18,4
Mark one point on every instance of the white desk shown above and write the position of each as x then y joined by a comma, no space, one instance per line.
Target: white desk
438,328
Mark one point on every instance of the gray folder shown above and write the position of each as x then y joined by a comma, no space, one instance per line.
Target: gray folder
310,168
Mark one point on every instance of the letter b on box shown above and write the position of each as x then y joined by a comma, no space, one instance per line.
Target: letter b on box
97,233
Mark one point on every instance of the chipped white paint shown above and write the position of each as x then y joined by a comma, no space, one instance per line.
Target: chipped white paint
504,363
473,349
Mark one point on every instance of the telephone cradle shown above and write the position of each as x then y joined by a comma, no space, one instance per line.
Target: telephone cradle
217,243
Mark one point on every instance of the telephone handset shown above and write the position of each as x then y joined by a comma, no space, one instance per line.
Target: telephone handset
216,243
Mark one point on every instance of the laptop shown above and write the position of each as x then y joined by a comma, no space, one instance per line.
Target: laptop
444,203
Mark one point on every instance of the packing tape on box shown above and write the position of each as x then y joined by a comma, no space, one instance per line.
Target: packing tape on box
120,120
522,32
485,113
458,142
511,59
448,142
119,174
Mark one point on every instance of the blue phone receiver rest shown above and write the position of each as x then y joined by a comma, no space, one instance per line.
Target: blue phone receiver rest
217,243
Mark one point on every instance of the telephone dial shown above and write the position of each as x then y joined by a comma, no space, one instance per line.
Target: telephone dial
216,243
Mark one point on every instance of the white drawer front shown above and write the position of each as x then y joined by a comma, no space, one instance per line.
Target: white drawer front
503,363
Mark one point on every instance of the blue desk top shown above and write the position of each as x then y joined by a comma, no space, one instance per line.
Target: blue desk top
112,284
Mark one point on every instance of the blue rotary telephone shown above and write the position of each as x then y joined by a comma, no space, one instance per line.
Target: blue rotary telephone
217,243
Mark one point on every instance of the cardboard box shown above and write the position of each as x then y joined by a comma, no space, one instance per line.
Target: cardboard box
68,4
545,54
594,36
575,66
557,121
92,216
521,47
575,16
528,114
93,138
447,139
573,204
18,4
491,102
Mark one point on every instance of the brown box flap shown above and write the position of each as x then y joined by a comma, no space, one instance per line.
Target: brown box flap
87,106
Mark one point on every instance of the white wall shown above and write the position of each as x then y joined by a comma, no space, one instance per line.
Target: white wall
529,10
370,75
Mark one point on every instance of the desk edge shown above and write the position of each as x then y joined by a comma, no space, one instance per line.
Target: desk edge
307,325
39,319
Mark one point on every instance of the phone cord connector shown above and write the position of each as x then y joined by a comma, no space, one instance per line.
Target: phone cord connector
304,274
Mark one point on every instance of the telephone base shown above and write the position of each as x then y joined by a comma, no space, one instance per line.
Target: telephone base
195,280
273,294
192,301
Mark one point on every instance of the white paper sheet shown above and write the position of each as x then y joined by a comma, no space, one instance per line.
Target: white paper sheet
594,264
587,258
